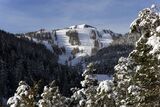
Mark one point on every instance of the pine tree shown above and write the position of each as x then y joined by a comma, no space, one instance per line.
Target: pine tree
89,85
124,71
51,97
93,94
85,97
105,96
146,55
24,97
142,87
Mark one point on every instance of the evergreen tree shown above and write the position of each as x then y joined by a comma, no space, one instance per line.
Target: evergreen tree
89,84
24,96
85,97
146,56
142,87
105,96
93,94
124,71
51,97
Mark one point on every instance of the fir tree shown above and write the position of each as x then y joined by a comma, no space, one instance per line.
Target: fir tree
146,56
51,97
124,71
142,87
24,96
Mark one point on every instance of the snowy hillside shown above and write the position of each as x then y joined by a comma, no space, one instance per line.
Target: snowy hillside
74,43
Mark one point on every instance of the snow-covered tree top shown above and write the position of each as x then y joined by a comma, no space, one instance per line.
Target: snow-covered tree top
22,96
148,19
105,86
148,25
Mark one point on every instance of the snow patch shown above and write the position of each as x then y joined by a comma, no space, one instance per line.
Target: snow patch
154,41
105,86
158,29
45,43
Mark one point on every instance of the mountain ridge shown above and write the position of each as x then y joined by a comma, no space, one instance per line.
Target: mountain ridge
73,43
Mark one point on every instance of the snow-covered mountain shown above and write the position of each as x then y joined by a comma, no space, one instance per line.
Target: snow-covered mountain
74,43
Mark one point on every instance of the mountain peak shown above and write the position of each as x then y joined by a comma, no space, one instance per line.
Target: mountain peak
42,31
81,26
73,43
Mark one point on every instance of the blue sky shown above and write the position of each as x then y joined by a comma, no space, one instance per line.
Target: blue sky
29,15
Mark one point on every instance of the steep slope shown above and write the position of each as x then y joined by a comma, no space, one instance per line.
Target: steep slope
85,46
74,43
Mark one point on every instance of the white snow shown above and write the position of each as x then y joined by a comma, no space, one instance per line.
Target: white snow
106,40
45,43
105,86
123,106
21,92
81,26
134,90
154,41
86,46
48,45
158,29
153,6
79,58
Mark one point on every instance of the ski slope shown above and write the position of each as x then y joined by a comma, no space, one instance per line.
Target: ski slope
86,43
